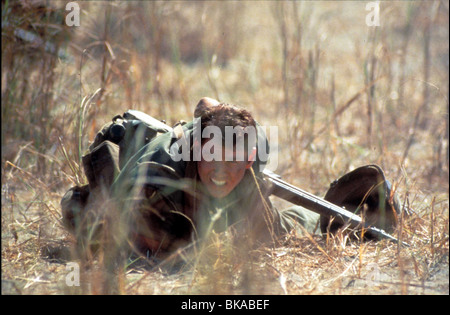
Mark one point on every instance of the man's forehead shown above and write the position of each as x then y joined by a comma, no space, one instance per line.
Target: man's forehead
223,146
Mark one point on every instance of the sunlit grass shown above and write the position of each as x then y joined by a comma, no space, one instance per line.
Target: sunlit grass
342,94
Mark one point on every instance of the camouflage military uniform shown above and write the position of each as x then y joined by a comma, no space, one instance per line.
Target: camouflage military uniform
165,203
161,204
152,176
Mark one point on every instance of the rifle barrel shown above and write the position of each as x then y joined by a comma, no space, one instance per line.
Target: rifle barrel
311,202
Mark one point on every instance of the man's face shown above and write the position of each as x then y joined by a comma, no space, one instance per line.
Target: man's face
221,177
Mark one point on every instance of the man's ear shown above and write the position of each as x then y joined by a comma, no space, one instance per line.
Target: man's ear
196,146
251,158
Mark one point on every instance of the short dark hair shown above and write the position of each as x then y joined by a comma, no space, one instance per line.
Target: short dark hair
223,115
227,115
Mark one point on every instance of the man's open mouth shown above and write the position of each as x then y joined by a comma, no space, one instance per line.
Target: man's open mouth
218,182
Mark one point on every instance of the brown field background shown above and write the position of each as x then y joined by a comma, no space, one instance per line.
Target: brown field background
342,94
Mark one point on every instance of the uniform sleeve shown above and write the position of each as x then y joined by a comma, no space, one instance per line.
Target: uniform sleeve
134,172
262,222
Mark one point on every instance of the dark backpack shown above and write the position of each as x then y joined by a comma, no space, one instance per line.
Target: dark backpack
364,191
113,145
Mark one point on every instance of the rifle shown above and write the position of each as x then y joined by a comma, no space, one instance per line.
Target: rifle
311,202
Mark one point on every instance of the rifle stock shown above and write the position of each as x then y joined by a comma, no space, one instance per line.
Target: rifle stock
311,202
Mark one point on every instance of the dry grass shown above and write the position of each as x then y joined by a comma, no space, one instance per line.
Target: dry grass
342,94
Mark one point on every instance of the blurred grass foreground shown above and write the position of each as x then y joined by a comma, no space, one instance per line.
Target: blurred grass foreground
344,89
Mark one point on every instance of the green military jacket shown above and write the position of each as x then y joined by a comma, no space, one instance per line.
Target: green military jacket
166,204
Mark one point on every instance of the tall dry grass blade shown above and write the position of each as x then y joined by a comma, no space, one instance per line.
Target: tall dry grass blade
341,109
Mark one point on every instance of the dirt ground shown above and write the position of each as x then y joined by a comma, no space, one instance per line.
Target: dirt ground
343,90
38,258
